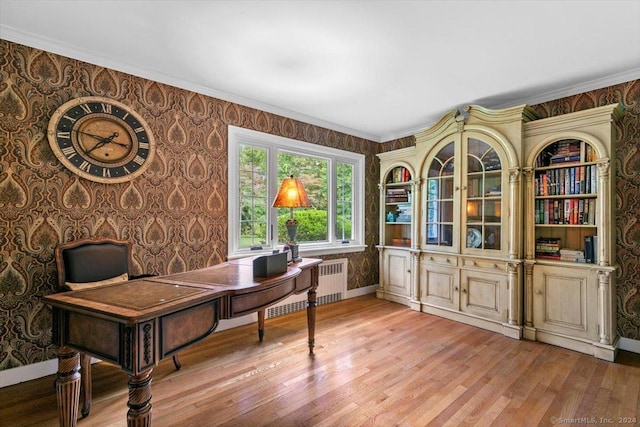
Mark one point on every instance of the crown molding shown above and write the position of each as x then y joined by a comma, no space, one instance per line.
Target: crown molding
29,39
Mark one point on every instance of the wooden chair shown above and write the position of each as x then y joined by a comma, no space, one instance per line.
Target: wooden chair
88,263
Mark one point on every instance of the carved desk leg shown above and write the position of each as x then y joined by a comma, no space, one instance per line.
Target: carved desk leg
85,384
260,325
311,317
139,414
68,386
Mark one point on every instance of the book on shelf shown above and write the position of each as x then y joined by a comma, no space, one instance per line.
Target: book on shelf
397,195
398,175
565,211
591,249
548,248
566,151
572,255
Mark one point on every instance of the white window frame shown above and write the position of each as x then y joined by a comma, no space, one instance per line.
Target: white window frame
273,144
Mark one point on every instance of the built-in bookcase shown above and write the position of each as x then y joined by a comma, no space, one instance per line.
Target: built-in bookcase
565,204
398,212
397,225
570,231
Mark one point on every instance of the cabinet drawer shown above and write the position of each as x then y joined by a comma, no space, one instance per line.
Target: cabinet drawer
485,264
440,259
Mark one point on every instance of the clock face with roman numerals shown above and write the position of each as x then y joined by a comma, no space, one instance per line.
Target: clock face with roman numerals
100,139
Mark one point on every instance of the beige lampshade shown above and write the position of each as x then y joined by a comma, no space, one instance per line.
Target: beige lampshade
291,195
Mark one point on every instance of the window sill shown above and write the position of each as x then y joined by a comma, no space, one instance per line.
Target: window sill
307,252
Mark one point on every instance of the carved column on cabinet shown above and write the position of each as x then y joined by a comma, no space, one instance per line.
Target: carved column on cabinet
604,214
416,242
604,302
514,288
382,199
528,294
514,210
417,203
528,209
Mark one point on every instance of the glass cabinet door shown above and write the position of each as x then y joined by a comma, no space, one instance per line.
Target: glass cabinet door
483,196
440,198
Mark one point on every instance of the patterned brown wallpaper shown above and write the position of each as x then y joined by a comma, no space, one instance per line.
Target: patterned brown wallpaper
628,189
175,214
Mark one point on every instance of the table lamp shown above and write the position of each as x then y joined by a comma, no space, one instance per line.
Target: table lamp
292,195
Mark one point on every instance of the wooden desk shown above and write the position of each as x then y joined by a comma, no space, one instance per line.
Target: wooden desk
136,324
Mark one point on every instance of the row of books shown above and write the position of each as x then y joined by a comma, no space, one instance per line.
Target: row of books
565,211
398,195
562,181
399,174
566,151
550,248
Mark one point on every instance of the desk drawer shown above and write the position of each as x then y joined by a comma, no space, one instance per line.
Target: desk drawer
254,301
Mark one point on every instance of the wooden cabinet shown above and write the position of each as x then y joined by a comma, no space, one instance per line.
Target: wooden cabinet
570,231
465,256
397,226
512,224
470,240
396,275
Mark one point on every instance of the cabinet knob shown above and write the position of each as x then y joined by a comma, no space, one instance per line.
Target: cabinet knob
408,271
455,288
538,292
464,291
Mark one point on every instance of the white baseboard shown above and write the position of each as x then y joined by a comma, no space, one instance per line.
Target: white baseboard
358,292
629,344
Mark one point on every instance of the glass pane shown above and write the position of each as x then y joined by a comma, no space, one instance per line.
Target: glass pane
252,196
474,186
492,161
432,189
312,221
442,161
447,235
474,164
432,212
447,168
432,234
493,210
447,211
474,237
477,148
493,184
344,202
492,240
474,210
447,188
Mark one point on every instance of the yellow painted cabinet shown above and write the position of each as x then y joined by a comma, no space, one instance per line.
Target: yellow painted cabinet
470,216
569,258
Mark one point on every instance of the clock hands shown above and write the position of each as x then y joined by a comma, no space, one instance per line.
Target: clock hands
103,140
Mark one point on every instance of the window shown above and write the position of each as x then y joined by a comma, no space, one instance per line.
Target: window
333,179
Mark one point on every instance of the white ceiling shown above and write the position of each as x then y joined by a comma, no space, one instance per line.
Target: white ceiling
375,69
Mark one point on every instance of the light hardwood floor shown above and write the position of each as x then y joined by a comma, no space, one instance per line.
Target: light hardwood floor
376,364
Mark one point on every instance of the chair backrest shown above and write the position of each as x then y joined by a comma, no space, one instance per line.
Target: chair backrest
92,260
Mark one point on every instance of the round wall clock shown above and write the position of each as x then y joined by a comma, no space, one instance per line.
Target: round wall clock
100,139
